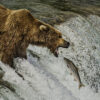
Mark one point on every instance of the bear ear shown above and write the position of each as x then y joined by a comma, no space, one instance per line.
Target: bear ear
43,27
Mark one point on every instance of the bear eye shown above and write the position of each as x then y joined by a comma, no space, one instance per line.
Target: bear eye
60,36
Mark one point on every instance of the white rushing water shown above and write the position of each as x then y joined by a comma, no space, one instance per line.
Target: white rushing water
48,78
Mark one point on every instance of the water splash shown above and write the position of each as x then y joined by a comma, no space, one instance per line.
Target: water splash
48,78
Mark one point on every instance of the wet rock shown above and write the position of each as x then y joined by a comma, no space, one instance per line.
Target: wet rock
6,84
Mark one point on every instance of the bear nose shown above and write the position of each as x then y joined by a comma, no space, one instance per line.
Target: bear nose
67,44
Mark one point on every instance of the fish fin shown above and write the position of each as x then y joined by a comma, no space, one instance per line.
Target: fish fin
78,68
81,85
70,73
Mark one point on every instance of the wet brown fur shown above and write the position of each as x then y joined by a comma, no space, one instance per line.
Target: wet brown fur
18,29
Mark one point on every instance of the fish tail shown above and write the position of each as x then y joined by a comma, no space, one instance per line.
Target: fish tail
81,85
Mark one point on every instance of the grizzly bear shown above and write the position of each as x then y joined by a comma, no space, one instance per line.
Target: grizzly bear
18,29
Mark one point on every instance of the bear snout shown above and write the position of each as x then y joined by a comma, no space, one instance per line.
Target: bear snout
67,44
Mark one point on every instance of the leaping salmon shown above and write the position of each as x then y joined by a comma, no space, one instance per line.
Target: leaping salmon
74,71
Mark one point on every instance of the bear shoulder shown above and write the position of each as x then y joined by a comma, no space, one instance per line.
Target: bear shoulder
22,15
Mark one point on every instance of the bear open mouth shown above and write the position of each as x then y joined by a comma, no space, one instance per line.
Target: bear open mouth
56,52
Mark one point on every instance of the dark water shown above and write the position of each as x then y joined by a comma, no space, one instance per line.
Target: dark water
55,11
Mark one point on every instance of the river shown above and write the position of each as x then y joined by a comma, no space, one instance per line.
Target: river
47,77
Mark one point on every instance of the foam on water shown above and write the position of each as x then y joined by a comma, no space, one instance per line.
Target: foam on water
48,78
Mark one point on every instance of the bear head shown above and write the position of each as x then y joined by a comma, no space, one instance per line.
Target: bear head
45,35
